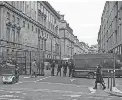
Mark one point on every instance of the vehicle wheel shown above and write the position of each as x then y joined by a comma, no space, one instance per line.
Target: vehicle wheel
90,75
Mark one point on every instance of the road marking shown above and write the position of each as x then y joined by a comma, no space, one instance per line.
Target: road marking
28,77
33,81
73,95
66,84
8,96
72,80
92,90
60,91
42,79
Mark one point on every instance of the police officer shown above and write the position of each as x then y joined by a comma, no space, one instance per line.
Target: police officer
71,67
99,78
52,68
65,65
59,68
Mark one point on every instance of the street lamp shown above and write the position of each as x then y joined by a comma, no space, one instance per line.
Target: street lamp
52,47
39,37
43,57
114,69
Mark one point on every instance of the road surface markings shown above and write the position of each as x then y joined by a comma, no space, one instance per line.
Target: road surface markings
92,90
42,79
8,96
65,84
72,80
33,81
15,99
14,91
72,95
28,77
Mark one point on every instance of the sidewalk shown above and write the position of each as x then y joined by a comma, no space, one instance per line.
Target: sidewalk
115,91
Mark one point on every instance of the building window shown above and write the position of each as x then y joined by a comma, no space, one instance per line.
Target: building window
32,27
17,36
13,19
23,23
8,34
13,36
42,33
36,30
45,34
115,36
28,25
8,16
18,21
42,44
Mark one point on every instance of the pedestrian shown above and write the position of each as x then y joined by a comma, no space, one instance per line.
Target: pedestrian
99,78
34,69
52,68
71,67
59,68
42,68
65,65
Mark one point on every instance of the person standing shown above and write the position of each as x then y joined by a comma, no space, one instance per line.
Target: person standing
59,68
42,68
33,69
52,68
99,78
71,67
65,65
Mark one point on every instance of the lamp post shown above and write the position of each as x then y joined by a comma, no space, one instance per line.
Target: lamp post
114,69
43,57
39,37
60,49
51,50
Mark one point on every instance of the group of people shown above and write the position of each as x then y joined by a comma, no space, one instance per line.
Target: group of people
62,64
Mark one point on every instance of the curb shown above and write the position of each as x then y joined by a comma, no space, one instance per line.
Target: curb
117,93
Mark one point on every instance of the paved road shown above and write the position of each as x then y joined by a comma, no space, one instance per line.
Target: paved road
53,88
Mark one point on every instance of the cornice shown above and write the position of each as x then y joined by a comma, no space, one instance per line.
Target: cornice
51,8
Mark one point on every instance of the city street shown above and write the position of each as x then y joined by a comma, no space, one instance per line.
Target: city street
53,88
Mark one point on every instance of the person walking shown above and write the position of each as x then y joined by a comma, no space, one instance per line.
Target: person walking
99,78
34,69
52,68
59,68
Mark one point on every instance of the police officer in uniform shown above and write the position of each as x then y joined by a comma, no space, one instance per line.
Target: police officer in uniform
59,68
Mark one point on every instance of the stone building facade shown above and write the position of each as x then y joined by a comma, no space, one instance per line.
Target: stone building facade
78,47
110,32
66,38
31,26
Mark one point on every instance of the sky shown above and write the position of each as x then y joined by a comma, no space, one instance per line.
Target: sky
84,17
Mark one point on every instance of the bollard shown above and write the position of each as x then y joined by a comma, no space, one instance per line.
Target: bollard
108,78
111,80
